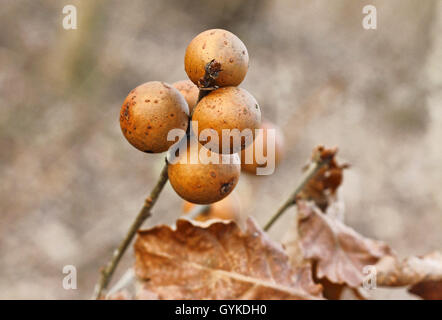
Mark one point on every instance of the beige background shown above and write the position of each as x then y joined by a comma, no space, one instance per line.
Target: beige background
70,184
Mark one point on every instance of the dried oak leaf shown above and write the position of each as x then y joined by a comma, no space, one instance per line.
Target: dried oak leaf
330,290
323,186
340,253
291,242
217,260
428,290
424,274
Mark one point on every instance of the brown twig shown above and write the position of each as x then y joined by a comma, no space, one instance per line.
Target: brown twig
309,173
107,272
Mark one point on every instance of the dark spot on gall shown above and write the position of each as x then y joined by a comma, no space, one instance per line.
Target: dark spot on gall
126,112
226,187
148,151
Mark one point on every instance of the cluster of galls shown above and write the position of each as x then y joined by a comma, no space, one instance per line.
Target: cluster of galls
216,62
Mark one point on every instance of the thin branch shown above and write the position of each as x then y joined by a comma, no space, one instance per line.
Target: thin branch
125,281
309,173
107,272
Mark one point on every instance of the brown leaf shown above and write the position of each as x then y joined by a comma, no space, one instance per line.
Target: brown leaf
424,274
323,186
217,261
331,291
339,251
428,290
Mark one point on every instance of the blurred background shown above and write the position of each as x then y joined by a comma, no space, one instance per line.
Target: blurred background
70,184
